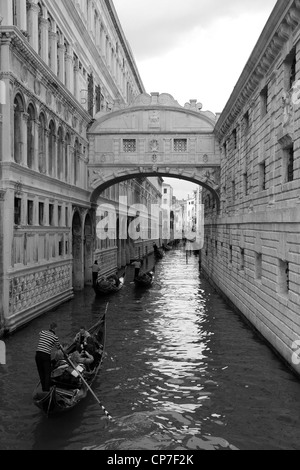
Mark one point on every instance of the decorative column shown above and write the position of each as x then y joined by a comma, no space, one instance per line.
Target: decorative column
6,11
61,60
44,25
6,104
71,164
33,24
46,166
22,15
53,49
55,165
36,124
76,80
23,150
69,69
102,41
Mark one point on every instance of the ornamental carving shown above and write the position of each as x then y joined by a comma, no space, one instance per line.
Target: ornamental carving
154,145
154,119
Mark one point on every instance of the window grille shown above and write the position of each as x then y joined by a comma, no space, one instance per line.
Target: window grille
180,145
129,145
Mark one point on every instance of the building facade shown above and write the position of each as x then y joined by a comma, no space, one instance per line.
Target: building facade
61,62
252,246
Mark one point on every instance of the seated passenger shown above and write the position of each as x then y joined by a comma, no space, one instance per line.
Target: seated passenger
82,359
90,345
81,337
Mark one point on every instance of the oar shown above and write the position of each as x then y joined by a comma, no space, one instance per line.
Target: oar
86,384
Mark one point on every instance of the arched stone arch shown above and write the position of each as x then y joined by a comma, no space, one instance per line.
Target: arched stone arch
209,181
154,136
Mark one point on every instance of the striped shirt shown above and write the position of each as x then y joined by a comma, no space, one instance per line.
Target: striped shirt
46,342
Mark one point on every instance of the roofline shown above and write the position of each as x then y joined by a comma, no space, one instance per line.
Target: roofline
127,50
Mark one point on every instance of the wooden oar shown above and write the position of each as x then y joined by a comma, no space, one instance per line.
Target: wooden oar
86,384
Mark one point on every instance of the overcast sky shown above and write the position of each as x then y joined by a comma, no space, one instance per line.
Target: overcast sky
192,49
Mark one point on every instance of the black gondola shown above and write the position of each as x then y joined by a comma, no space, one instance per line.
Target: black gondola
144,279
66,389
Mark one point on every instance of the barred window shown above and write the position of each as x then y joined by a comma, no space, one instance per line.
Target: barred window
129,145
180,145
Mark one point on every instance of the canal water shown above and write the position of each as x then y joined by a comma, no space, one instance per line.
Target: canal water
182,372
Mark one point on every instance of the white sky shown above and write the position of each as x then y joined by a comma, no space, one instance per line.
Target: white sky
192,49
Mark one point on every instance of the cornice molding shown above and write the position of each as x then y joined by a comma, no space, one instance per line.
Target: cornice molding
28,55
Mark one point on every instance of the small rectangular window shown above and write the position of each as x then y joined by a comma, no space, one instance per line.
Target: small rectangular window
258,266
180,145
234,139
51,214
129,145
29,212
290,164
246,123
242,260
41,213
59,215
262,176
18,211
60,247
264,97
67,217
245,178
283,277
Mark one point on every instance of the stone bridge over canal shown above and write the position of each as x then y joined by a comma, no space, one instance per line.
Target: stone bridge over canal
154,136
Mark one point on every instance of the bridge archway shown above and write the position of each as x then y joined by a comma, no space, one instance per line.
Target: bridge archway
154,136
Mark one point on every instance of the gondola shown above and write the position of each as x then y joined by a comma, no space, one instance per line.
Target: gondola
66,390
159,254
107,286
144,279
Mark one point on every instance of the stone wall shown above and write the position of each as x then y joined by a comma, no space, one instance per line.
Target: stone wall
252,247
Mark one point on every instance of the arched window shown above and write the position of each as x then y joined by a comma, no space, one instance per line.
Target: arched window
76,160
18,141
40,39
49,41
66,155
42,144
30,136
51,148
60,153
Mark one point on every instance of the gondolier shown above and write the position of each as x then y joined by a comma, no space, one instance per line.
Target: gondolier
69,385
48,340
95,271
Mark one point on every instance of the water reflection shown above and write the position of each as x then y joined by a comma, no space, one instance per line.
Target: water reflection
182,371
